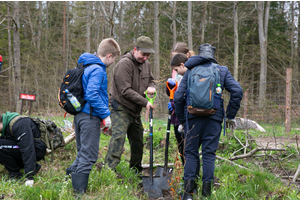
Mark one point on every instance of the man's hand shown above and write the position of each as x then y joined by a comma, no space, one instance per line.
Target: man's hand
230,123
105,124
148,106
181,128
150,90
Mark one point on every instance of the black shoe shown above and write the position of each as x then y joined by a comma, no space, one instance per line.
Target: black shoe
15,175
69,171
206,189
79,183
188,189
37,167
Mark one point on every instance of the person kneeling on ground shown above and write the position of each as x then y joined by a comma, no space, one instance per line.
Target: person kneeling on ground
19,147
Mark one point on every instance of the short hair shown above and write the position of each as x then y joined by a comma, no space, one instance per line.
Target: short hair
108,46
178,59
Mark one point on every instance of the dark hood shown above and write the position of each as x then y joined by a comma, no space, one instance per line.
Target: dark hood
198,60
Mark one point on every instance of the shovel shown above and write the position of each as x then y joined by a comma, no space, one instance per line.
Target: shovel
166,172
152,185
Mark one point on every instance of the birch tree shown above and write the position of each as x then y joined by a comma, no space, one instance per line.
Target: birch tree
263,19
190,35
236,41
156,40
174,23
203,21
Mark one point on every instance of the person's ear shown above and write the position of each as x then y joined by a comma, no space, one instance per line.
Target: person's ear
109,56
182,65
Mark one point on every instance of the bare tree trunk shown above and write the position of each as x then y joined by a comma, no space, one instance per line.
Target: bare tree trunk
67,38
203,21
17,56
262,31
64,39
121,22
236,42
156,40
30,24
291,65
174,23
39,35
190,35
111,20
88,27
10,63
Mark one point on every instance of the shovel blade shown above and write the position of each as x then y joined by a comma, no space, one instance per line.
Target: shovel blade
165,176
153,188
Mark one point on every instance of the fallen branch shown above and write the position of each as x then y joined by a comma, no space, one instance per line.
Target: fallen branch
253,152
224,159
296,174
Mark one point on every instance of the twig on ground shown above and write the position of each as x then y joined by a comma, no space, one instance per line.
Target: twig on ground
253,152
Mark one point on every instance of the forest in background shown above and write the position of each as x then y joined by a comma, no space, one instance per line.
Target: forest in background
257,41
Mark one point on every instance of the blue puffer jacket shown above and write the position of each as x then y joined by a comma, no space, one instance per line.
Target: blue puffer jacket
227,82
94,81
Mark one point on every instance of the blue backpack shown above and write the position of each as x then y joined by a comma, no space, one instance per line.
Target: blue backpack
202,99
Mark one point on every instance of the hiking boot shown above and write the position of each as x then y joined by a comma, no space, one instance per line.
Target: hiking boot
79,183
37,167
188,189
206,189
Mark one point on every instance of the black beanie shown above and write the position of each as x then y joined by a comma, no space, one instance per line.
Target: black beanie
206,50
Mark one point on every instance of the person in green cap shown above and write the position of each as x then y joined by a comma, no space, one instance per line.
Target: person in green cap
132,77
19,148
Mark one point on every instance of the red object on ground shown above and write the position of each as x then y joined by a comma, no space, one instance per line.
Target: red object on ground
0,58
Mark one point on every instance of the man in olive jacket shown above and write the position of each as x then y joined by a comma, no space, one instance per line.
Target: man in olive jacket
132,77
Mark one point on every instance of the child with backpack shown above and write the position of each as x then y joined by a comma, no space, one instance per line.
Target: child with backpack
205,129
87,121
18,147
177,64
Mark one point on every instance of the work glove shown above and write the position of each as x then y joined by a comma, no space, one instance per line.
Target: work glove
170,106
105,124
181,128
230,123
171,82
29,183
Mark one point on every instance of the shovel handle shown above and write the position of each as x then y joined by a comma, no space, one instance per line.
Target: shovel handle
151,146
150,99
173,90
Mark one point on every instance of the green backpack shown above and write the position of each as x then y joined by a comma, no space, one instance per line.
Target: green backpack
51,135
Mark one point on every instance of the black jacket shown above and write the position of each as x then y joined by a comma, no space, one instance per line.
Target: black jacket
24,131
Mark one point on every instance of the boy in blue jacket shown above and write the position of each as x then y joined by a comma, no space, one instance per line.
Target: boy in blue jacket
204,131
87,126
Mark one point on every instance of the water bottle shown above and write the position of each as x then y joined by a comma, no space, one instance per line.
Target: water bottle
218,89
73,100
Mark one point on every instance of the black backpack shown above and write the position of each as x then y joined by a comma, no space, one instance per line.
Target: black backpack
73,82
51,135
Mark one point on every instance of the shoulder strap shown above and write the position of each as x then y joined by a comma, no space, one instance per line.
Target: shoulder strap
13,121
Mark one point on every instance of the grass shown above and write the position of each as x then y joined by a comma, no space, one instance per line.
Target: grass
259,181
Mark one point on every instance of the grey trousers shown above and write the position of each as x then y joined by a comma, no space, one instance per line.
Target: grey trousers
87,131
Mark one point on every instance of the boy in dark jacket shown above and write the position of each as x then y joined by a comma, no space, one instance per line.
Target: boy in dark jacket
19,148
87,125
204,131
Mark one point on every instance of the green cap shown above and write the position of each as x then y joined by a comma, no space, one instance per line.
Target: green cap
145,44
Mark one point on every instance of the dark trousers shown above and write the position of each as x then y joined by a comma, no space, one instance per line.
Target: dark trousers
124,124
205,132
180,143
11,157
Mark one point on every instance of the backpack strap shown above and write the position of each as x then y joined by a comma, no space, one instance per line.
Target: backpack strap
13,121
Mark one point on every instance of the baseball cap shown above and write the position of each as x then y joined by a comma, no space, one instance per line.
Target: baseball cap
145,44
